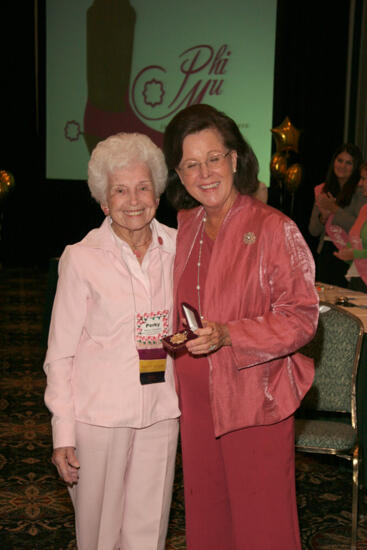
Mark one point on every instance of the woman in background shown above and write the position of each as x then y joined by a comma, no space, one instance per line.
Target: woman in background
110,387
247,270
353,247
261,192
340,197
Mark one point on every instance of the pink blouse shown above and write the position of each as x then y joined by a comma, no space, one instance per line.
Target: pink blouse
92,362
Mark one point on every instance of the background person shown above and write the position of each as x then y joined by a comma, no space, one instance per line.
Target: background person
341,197
249,273
353,247
261,192
110,388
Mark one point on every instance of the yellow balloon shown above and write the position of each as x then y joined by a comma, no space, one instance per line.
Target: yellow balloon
286,136
6,182
278,165
293,177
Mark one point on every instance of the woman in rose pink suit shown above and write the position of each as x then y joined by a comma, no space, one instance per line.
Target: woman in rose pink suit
247,270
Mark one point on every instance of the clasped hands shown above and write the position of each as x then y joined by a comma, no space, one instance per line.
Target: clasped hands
326,203
210,338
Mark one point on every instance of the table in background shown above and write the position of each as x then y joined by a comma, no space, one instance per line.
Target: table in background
329,293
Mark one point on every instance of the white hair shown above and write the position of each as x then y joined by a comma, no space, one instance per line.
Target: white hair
119,151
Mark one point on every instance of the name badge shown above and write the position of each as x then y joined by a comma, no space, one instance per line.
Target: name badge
150,329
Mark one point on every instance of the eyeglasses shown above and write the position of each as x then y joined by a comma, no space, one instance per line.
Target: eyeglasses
213,162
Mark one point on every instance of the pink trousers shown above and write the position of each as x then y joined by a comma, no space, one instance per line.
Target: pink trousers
123,496
239,488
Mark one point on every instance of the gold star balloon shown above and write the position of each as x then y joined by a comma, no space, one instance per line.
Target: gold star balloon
286,136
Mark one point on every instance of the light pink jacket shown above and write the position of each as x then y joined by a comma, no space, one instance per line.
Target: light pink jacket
92,363
261,282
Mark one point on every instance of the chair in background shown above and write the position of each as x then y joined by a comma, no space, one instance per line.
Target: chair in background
326,422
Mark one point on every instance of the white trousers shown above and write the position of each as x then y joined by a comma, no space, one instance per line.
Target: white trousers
123,497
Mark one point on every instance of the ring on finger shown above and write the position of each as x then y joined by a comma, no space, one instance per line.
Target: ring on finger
212,347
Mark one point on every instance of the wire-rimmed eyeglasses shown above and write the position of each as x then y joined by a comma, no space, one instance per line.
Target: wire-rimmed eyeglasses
213,162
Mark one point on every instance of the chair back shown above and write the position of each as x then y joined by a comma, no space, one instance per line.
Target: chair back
335,349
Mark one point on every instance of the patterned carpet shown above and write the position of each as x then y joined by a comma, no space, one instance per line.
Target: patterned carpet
35,510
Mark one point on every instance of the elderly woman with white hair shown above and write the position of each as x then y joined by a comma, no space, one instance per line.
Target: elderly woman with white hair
110,386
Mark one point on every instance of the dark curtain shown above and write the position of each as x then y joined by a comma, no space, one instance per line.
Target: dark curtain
310,88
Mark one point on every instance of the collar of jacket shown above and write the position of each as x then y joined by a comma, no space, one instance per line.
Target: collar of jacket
102,237
189,224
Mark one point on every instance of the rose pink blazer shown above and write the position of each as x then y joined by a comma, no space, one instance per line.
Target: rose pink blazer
261,282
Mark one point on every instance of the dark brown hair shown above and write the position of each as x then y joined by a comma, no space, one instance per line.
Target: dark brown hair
194,119
344,195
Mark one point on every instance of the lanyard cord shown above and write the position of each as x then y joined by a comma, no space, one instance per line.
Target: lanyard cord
118,240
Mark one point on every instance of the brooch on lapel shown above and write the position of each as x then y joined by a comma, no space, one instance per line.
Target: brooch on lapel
249,238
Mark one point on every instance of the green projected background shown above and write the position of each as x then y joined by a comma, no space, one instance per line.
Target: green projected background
119,65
